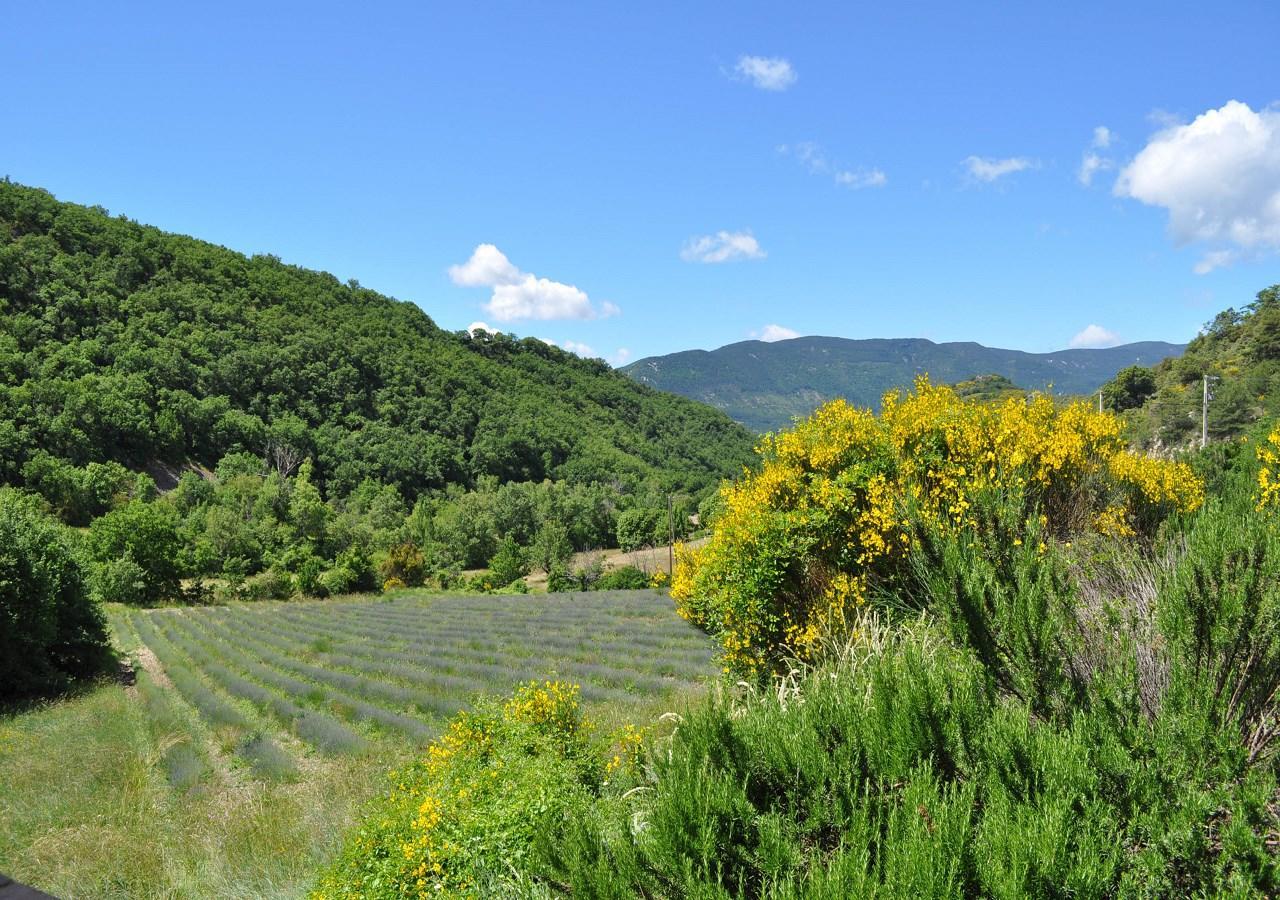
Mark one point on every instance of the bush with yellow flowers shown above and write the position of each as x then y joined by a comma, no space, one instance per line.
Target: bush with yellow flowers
829,516
1269,470
461,820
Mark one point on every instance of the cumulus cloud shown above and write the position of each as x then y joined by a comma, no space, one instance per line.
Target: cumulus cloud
487,266
771,333
769,73
723,246
1219,178
1093,336
988,169
521,295
814,158
1101,137
480,326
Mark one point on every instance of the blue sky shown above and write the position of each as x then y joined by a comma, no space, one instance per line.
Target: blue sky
654,177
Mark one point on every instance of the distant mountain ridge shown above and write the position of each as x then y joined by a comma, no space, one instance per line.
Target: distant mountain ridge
765,385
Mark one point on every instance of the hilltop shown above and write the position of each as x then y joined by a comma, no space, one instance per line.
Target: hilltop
766,385
121,342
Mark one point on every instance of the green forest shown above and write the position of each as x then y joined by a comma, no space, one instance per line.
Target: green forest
205,414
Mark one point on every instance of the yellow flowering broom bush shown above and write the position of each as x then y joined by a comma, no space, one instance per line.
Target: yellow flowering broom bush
462,819
831,512
1269,470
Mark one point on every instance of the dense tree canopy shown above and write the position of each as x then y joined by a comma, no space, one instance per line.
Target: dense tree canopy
122,343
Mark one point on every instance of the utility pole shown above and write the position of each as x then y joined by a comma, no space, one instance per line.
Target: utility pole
1204,410
671,544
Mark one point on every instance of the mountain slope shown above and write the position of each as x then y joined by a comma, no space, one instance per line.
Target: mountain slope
122,342
764,385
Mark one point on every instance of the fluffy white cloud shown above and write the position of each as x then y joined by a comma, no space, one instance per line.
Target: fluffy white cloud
487,266
1101,137
620,357
480,326
771,333
987,169
1219,178
1093,336
723,246
769,73
814,158
520,295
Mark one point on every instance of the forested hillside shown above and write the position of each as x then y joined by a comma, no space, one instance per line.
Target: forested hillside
1239,351
122,342
766,385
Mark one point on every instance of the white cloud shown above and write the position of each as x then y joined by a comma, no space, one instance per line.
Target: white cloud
578,348
814,158
769,73
723,246
1091,164
1219,178
487,266
481,326
620,357
520,295
989,169
771,333
1091,161
861,178
1094,336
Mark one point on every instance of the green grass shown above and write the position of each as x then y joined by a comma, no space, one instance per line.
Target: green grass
232,775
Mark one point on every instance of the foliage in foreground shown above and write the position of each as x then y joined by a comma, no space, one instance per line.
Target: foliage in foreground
1038,710
51,633
462,820
1034,733
829,518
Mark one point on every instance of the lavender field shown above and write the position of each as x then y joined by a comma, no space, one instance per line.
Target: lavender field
272,681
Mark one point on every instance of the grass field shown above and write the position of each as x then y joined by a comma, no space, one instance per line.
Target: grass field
256,733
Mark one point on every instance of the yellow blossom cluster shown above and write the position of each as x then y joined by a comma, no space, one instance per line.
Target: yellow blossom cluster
1269,472
451,813
832,508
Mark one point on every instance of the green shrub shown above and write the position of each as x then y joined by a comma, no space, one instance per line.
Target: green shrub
641,527
51,632
462,820
147,533
120,581
623,578
508,563
269,585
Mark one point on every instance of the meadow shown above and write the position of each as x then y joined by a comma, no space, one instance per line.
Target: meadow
255,734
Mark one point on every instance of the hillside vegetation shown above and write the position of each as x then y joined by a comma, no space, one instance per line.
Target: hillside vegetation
767,385
1239,351
210,420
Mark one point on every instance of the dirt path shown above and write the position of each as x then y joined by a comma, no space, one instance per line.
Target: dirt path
148,661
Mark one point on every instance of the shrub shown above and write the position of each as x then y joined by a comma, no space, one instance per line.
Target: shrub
508,562
146,533
622,578
272,584
462,820
828,518
640,527
404,563
51,632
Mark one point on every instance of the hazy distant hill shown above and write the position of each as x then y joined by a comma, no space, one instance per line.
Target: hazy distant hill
764,385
